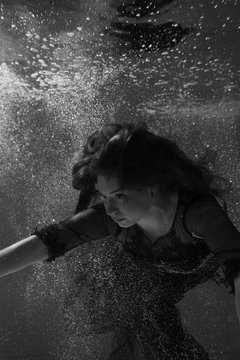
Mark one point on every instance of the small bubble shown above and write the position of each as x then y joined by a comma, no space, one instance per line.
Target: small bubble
33,50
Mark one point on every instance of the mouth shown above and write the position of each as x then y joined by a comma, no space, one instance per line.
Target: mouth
117,220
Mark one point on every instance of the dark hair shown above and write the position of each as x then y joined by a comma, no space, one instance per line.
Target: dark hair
139,157
83,178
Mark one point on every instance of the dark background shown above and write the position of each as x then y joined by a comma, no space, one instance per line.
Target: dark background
64,71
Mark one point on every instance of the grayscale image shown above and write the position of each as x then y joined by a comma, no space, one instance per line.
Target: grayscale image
120,180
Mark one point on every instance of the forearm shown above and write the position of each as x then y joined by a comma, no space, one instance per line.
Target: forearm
22,254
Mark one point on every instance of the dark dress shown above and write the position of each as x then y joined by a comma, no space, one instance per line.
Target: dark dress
134,285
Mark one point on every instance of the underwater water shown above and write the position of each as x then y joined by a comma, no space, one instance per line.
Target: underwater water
66,67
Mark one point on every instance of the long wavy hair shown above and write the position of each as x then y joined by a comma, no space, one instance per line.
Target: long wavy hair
138,157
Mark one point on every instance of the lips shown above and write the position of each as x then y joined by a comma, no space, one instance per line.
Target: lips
118,219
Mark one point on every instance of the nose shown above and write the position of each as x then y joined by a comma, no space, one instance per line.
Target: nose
110,207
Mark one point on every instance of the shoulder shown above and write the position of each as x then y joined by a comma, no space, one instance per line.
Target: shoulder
202,202
201,210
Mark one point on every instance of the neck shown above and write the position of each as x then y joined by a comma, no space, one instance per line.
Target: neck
160,219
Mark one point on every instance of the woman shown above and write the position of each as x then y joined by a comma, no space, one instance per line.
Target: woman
159,208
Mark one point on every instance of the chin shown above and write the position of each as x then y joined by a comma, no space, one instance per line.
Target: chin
124,226
125,223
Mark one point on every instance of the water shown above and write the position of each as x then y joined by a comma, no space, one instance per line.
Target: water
60,77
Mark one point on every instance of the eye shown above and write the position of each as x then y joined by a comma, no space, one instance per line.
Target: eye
101,196
119,196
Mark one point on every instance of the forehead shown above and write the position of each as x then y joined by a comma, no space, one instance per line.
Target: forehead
107,184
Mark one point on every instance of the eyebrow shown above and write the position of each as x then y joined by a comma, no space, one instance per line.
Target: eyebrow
112,192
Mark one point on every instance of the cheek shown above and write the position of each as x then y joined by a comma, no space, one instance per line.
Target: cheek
136,208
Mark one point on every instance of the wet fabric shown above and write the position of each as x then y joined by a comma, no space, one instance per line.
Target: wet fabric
130,287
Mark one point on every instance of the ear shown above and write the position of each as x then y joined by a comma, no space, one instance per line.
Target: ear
153,190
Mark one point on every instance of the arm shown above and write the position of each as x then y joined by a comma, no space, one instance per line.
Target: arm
205,217
55,240
22,254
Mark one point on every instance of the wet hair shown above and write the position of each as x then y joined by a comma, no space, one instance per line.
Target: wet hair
83,178
138,157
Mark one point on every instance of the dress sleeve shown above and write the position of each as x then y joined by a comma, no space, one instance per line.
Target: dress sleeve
88,225
205,218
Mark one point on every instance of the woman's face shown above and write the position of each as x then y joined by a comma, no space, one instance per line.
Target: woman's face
125,206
